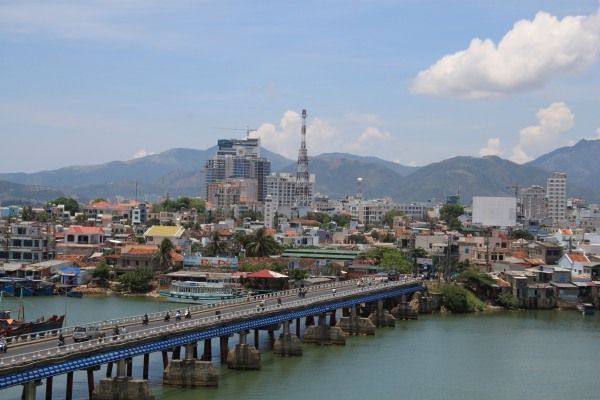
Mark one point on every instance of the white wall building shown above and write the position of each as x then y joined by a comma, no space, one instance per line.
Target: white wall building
556,195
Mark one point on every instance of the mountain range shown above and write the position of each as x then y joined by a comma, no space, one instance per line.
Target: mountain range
180,172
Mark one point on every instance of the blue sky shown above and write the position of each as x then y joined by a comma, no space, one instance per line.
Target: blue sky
86,82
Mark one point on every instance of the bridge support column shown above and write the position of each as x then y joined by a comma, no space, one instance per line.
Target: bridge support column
207,355
177,353
165,358
90,382
298,327
109,368
256,338
29,390
69,393
49,388
287,344
224,348
324,334
353,324
191,372
332,320
243,355
146,366
271,337
309,321
122,387
382,317
129,363
404,310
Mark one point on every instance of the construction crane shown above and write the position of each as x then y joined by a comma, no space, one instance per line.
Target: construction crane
248,130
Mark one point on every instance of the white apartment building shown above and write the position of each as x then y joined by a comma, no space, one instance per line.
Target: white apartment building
556,195
533,203
281,187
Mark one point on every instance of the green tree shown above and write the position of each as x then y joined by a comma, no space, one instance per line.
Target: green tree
297,274
137,281
450,214
27,214
98,200
71,205
358,239
101,272
216,246
507,300
261,245
164,254
81,219
342,219
388,218
394,259
521,234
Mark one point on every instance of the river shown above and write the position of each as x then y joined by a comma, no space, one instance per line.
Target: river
492,355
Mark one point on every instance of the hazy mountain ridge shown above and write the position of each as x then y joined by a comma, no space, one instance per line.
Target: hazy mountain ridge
180,172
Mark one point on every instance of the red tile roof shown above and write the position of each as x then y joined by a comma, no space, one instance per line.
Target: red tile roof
576,257
139,249
89,230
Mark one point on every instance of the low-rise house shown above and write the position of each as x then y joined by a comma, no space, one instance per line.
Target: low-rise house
574,262
176,234
137,256
550,253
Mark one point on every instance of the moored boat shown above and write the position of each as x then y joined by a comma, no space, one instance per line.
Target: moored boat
586,308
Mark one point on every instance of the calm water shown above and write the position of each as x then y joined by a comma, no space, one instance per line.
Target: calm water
501,355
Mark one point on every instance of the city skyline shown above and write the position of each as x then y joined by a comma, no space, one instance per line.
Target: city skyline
102,81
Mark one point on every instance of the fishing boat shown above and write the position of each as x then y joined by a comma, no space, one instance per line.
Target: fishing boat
586,308
199,287
28,287
15,327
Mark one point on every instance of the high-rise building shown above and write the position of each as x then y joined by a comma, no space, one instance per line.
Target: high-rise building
556,196
229,192
238,159
533,203
282,187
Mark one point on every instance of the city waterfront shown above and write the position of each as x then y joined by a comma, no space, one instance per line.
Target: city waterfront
493,355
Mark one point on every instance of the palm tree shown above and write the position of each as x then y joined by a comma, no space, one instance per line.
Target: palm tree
261,245
165,249
216,246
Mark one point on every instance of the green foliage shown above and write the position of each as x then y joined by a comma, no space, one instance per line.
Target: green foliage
173,205
475,278
257,266
419,252
71,205
342,219
101,271
140,240
98,200
259,244
297,274
388,218
450,214
27,214
457,299
356,238
137,281
390,259
507,300
216,247
521,234
196,247
165,249
81,219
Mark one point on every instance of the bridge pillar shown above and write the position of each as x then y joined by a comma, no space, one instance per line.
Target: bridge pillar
298,327
404,310
109,368
224,348
122,387
356,325
146,366
29,389
49,388
287,344
207,355
256,338
176,353
191,372
309,321
382,317
243,355
271,337
69,392
324,334
332,320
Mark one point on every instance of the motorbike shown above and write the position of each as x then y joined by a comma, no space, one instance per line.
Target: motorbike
3,346
145,320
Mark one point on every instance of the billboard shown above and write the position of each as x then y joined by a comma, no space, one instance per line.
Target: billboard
495,211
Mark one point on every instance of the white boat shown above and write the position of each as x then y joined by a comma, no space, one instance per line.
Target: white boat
202,292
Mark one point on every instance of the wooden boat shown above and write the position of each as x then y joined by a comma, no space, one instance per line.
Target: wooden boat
586,308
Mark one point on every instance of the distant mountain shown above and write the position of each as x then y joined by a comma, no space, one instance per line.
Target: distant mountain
337,174
14,194
176,171
581,162
397,168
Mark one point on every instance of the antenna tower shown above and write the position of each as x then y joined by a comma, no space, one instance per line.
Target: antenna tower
302,176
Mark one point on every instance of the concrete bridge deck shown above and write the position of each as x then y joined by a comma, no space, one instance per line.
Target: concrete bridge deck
39,357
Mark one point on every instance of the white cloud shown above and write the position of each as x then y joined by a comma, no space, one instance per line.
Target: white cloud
285,138
141,153
363,118
371,135
492,148
528,55
554,120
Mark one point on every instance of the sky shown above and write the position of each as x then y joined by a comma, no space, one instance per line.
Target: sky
415,82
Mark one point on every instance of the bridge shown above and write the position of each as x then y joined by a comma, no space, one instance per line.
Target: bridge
34,358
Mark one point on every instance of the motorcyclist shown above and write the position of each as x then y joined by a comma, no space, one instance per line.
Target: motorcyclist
145,319
188,314
167,317
3,344
61,340
178,315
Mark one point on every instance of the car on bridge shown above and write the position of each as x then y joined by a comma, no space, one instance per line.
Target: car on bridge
83,333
